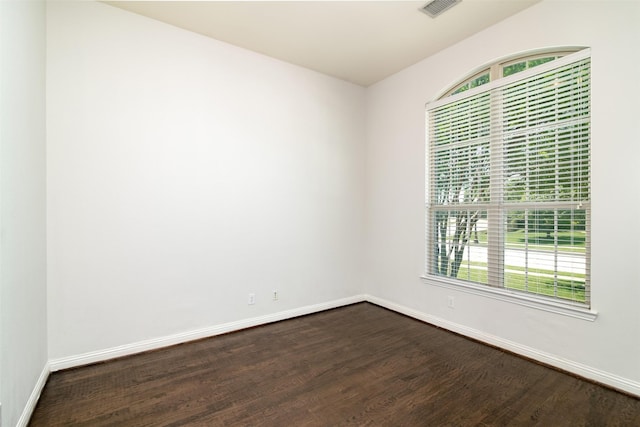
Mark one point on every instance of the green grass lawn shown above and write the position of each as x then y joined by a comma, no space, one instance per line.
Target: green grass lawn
573,290
568,285
568,289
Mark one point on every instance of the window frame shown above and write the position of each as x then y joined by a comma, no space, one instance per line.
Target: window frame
578,310
495,69
456,89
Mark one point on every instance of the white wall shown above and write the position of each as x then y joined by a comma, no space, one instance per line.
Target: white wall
23,330
607,349
183,174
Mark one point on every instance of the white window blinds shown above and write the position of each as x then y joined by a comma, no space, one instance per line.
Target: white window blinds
508,192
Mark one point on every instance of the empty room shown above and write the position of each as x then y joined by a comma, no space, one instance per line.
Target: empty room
319,213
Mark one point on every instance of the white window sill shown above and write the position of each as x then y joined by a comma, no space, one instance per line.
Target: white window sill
539,303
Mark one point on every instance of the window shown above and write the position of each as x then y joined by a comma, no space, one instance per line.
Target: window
508,180
475,81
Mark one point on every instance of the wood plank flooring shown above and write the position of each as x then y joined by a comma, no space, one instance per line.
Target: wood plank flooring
356,365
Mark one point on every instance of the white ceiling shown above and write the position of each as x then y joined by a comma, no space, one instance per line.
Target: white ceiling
358,41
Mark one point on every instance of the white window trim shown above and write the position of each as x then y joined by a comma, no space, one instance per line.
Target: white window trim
534,301
495,67
504,294
504,81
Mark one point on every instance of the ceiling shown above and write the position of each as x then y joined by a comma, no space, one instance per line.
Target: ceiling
358,41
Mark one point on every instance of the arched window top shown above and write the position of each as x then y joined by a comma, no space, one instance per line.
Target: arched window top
506,68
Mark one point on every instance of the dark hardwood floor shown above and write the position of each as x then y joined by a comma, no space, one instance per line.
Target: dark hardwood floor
356,365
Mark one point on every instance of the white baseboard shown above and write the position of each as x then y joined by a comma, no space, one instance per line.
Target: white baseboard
603,377
606,378
23,421
156,343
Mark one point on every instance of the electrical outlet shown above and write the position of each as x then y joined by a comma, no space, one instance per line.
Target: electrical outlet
450,302
252,299
275,295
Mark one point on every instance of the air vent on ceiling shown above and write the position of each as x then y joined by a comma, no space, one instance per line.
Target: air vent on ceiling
436,7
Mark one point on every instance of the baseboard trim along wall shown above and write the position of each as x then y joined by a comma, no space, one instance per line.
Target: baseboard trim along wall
608,379
210,331
581,370
605,378
28,409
